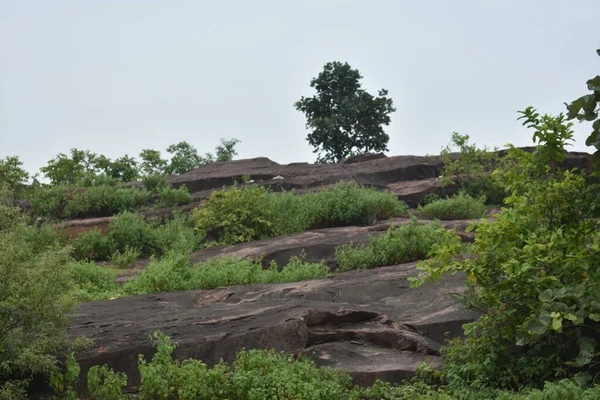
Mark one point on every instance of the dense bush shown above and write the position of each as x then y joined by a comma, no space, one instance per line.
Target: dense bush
91,281
34,300
254,212
534,276
460,206
398,245
100,201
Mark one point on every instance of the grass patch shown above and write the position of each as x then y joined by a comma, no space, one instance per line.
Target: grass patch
398,245
459,206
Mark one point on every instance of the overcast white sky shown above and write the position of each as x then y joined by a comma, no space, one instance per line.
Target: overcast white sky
118,76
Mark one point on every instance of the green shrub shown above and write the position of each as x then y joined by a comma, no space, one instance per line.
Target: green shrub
473,168
103,201
236,216
50,201
398,245
125,258
254,212
92,245
132,230
175,272
460,206
92,282
351,204
169,197
34,301
534,276
154,183
176,234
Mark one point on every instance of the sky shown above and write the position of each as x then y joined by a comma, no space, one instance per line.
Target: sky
119,76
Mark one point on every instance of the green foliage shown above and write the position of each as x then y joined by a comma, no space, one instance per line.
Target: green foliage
12,175
174,197
351,204
92,245
65,170
106,384
103,201
126,257
226,150
130,236
34,300
460,206
152,163
184,158
343,118
534,275
398,245
124,169
472,169
154,183
586,108
92,282
254,212
174,272
236,216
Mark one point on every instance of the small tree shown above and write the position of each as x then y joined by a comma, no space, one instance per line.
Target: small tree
70,170
344,118
184,158
152,163
226,150
12,174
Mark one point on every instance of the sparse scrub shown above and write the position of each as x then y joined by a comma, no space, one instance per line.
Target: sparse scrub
460,206
398,245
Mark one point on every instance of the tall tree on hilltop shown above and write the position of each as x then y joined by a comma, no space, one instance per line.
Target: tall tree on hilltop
343,118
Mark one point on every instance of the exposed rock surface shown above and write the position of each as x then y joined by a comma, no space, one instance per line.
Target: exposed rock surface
368,322
317,244
397,173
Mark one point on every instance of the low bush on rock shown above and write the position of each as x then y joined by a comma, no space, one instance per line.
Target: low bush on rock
69,202
460,206
252,212
398,245
267,374
175,272
130,236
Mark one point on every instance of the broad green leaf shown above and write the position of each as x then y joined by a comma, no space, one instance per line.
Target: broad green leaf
546,296
595,317
557,323
570,317
537,326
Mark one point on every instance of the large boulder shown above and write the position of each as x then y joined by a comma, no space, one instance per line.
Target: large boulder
369,323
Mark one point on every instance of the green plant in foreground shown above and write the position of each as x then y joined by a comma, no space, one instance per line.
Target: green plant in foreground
534,277
34,300
398,245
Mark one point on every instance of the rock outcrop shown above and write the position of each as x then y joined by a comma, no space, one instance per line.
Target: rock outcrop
369,323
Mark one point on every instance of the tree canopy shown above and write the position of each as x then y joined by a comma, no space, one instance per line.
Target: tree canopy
343,118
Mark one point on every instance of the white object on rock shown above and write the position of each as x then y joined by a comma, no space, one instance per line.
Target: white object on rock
278,177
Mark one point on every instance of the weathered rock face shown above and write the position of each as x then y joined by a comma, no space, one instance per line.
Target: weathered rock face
316,245
368,322
378,172
411,178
